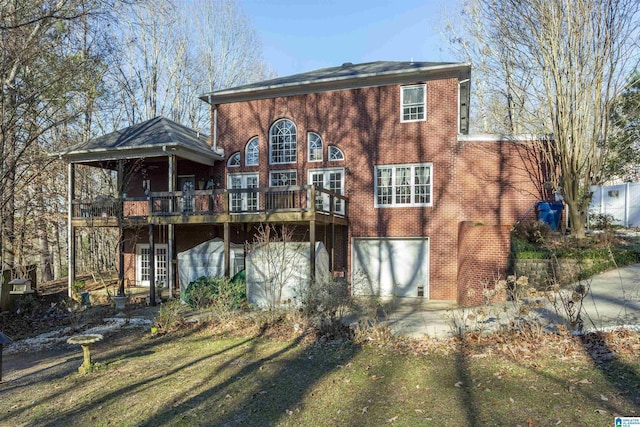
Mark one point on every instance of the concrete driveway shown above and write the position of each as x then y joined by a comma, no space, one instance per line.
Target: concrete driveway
613,301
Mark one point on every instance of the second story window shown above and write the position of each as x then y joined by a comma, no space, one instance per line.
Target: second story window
252,154
283,178
413,103
234,160
403,185
283,142
335,153
315,147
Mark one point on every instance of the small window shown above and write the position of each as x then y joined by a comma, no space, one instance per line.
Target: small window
335,153
412,100
403,185
315,147
283,178
234,160
283,142
252,154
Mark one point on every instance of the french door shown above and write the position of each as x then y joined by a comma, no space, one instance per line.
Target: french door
143,264
329,179
243,202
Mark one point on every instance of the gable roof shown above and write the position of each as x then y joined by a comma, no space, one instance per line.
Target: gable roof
154,138
346,76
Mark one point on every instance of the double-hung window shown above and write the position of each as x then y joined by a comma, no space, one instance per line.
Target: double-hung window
403,185
413,101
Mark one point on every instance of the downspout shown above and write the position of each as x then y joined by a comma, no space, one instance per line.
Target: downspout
215,128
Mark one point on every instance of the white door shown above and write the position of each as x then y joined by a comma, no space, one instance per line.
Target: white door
332,180
390,267
243,202
143,264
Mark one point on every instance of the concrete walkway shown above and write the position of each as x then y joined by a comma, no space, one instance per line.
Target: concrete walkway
613,301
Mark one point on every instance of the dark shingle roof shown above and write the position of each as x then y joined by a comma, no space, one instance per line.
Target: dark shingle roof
155,132
346,75
151,138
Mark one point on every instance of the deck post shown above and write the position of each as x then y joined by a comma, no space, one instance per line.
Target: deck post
332,204
312,250
227,249
119,217
152,267
171,277
71,232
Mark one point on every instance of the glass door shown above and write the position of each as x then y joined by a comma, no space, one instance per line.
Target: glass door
243,202
332,180
143,264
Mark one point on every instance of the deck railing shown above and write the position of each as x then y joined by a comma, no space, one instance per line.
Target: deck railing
210,202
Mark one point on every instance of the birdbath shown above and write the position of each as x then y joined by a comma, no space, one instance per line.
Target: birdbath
85,341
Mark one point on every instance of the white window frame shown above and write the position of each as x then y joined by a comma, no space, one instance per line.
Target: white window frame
257,152
292,145
409,106
158,263
244,198
282,171
313,137
338,204
234,160
331,150
394,185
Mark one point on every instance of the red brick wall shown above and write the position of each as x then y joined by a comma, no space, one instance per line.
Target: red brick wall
489,182
365,125
483,253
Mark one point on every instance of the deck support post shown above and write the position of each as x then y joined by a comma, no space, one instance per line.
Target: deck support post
71,231
332,258
171,275
312,251
119,217
152,267
227,250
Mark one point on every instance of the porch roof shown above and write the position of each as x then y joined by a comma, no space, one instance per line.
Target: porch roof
158,137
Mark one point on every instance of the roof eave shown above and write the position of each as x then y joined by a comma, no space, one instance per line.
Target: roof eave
96,155
338,83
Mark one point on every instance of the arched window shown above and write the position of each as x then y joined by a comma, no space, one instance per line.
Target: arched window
234,160
283,142
315,147
335,153
252,154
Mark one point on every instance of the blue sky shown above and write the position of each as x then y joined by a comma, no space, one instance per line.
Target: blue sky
304,35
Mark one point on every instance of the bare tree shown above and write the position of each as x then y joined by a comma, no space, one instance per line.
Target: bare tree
276,263
562,63
172,52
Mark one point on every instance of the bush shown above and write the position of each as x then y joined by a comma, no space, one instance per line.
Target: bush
532,231
523,249
208,291
601,221
323,305
169,317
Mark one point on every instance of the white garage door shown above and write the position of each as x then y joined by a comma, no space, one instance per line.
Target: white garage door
390,267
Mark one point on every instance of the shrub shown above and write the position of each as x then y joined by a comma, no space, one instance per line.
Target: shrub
77,287
207,291
532,231
169,317
323,305
601,221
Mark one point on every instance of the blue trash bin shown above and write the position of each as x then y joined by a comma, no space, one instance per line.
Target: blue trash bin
551,213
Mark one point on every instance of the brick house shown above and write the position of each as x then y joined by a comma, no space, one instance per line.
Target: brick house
372,159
